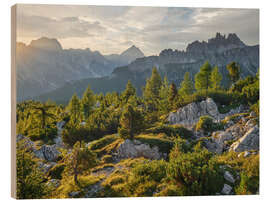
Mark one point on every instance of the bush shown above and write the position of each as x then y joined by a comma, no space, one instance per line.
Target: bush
107,158
100,143
145,178
171,130
56,171
197,172
256,108
206,124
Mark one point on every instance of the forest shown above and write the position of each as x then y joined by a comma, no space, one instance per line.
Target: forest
84,148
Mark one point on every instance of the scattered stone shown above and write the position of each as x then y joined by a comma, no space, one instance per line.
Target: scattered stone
47,152
74,194
252,114
133,149
54,183
229,177
226,189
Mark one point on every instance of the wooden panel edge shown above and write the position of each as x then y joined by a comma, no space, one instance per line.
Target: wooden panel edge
13,99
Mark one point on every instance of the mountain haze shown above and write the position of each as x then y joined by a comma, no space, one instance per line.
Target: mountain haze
219,50
44,65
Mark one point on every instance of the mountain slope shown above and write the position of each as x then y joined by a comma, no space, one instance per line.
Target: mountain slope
219,51
44,66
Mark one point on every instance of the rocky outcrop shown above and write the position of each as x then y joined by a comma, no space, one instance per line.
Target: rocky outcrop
28,144
229,177
47,152
45,167
250,141
133,149
190,114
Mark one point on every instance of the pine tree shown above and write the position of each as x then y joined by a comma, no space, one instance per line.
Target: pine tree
152,90
172,95
129,91
215,78
82,158
153,85
164,94
74,107
131,122
187,86
202,78
234,71
87,102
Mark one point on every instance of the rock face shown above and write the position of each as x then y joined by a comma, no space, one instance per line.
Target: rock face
133,149
47,152
250,141
190,114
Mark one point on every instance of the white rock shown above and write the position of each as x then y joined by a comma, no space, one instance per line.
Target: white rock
226,189
229,177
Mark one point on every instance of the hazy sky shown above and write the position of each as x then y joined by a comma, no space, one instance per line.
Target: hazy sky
112,29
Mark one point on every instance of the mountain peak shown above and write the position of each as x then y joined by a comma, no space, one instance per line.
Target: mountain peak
132,52
219,44
49,44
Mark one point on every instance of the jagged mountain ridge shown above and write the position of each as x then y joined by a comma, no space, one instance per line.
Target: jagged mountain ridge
44,66
173,64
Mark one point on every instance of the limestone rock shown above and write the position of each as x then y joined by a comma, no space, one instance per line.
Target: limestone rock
226,189
74,194
47,152
133,149
53,183
45,167
190,114
250,141
229,177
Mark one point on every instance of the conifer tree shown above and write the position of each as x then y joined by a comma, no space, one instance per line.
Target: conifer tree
74,107
172,95
131,122
153,85
129,91
187,86
82,158
87,102
164,93
234,71
202,78
215,78
152,90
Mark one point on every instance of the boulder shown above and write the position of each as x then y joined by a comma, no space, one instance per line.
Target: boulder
45,167
28,144
133,149
229,177
213,146
227,189
47,152
53,183
250,141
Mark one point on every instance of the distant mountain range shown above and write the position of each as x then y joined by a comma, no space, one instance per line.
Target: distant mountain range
44,66
219,50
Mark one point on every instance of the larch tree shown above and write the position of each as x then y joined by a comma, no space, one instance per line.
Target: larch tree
87,102
74,107
172,95
215,78
186,86
202,78
234,71
128,92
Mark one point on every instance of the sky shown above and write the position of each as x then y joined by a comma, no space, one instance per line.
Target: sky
113,29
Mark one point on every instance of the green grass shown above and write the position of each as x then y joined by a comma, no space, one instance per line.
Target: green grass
164,144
